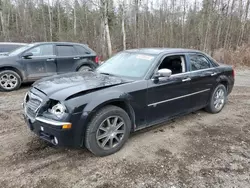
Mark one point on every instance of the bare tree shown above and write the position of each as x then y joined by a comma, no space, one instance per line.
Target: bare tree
50,21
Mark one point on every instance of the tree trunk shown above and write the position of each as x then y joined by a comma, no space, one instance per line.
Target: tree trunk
137,23
59,20
123,27
50,21
2,20
229,24
106,26
75,19
242,31
210,8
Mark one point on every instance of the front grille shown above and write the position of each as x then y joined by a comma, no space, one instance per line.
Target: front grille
32,104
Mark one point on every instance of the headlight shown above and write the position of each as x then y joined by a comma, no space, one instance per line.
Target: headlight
58,110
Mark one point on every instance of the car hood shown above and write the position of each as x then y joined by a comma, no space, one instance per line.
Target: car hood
63,86
5,57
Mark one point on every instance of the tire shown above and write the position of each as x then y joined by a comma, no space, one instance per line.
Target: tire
9,80
213,106
84,68
98,128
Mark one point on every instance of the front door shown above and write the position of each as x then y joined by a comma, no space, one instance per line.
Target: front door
168,97
41,63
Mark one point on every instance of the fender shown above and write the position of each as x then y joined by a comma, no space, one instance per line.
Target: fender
111,97
222,78
108,97
94,105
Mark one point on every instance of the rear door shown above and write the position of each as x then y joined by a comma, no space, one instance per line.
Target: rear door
203,76
67,56
41,63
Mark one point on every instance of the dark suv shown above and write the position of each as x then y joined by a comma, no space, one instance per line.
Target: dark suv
6,47
37,60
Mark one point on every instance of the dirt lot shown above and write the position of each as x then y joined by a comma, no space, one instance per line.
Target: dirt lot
198,150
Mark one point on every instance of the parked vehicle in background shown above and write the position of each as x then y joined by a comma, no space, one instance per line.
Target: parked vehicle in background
133,90
37,60
6,47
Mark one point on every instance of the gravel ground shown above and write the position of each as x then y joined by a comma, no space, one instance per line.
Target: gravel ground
197,150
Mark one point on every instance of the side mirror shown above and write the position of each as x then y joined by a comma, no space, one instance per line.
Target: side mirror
163,73
27,55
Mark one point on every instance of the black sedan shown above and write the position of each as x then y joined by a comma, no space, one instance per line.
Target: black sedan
132,90
37,60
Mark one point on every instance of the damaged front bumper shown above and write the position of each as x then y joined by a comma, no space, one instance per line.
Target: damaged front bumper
51,131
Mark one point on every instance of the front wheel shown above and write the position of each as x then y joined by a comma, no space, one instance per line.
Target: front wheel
9,80
217,100
108,131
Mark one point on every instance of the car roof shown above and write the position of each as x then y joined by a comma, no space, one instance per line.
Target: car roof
12,43
65,43
157,51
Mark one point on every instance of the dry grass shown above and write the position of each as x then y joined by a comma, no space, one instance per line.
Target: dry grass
238,58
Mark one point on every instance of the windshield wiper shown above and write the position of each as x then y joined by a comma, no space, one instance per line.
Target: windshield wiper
105,73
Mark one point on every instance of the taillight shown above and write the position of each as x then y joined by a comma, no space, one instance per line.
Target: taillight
233,73
97,59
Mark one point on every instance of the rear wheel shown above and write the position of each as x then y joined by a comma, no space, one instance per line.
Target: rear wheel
9,80
108,131
217,100
84,68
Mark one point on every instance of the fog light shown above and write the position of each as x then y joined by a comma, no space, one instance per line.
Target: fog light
67,126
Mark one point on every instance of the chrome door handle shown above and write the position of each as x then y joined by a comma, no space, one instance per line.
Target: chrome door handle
76,58
213,74
50,59
186,80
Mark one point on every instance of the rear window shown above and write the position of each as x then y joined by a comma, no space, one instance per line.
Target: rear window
66,51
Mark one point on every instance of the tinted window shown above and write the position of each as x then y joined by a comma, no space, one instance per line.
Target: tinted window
20,50
199,62
43,50
81,50
66,51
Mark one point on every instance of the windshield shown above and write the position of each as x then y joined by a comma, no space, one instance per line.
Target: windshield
127,64
20,50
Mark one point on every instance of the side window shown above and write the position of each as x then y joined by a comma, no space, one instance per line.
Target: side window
66,51
199,62
43,50
175,63
81,50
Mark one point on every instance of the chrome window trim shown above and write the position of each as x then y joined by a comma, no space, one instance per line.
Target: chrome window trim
50,121
183,96
192,72
189,72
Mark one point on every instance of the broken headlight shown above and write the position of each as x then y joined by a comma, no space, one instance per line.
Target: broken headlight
58,110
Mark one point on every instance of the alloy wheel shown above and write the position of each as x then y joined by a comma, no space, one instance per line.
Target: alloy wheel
110,132
219,99
8,81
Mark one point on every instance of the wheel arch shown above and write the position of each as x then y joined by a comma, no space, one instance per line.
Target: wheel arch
12,69
224,81
123,104
86,63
